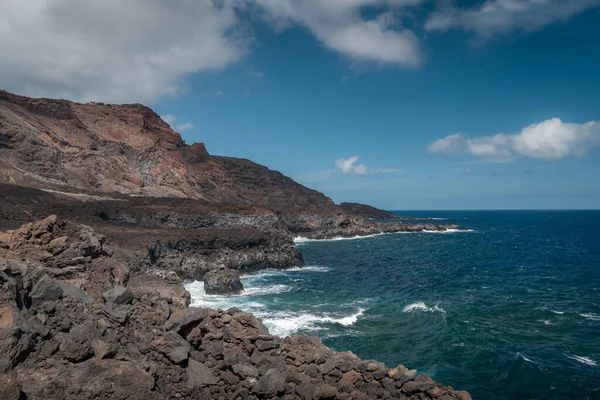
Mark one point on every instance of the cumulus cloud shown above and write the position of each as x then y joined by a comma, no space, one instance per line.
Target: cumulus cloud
171,120
112,50
552,139
495,17
142,50
350,166
340,26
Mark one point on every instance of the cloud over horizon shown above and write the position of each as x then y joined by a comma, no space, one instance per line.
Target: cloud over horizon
552,139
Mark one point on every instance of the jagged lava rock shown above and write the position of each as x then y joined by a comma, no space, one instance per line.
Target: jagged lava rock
222,281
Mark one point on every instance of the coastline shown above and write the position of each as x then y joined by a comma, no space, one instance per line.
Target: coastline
89,318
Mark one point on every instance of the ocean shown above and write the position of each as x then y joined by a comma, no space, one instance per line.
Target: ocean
507,310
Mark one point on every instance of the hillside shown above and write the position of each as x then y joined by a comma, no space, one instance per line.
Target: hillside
128,150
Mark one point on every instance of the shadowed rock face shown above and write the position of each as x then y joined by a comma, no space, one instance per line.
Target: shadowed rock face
128,150
98,333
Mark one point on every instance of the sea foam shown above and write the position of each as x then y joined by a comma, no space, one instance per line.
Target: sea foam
591,316
420,306
285,323
525,358
584,360
302,239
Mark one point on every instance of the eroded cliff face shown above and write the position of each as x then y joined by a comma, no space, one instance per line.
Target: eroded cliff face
77,321
116,150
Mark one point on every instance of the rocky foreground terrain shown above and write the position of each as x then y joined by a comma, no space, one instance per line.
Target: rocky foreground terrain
105,212
76,322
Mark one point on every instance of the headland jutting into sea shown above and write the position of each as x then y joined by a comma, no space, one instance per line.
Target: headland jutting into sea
104,214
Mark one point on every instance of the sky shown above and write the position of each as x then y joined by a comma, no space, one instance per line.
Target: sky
402,104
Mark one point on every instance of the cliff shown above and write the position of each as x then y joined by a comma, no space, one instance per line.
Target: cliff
128,150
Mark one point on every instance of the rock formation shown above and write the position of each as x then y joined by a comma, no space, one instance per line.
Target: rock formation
222,281
105,330
115,150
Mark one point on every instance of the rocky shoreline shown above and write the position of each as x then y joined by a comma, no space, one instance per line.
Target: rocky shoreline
78,322
92,302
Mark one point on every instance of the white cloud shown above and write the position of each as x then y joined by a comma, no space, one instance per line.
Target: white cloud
142,50
341,27
112,50
346,165
496,17
219,93
171,121
168,118
184,127
349,166
551,139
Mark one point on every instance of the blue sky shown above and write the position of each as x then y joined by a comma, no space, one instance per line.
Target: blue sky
403,104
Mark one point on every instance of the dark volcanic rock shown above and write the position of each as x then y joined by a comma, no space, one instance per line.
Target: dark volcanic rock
222,281
110,325
118,295
199,374
367,211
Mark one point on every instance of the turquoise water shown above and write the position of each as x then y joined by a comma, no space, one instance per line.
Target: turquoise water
510,310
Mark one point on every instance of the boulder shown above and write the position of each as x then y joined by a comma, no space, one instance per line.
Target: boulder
118,295
245,371
223,281
270,384
45,289
186,319
199,375
173,346
102,349
48,289
326,392
77,344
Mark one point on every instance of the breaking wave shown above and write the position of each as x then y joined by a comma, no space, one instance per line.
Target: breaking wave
591,316
584,360
420,306
302,239
285,323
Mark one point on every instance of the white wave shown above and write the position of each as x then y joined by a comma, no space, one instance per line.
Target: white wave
544,308
438,218
525,358
309,268
302,239
584,360
285,323
591,316
423,307
282,323
201,299
448,231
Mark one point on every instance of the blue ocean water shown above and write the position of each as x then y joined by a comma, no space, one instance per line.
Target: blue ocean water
509,310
